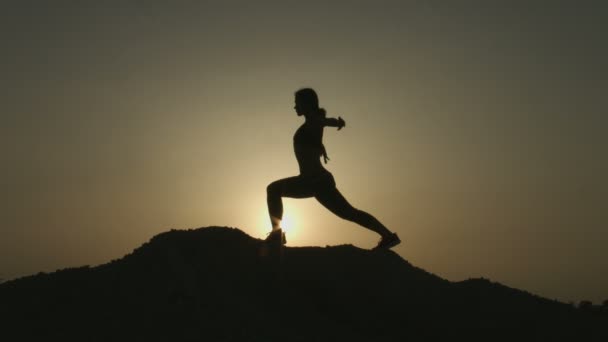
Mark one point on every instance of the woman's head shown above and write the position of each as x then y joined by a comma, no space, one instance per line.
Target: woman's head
307,101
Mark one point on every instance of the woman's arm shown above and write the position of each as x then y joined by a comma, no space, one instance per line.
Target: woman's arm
333,122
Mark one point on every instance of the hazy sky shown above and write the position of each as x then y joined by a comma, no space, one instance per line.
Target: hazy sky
475,129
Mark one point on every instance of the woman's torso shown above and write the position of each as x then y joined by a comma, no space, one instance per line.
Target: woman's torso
308,147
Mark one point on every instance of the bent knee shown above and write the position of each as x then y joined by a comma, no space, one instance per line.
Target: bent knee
273,189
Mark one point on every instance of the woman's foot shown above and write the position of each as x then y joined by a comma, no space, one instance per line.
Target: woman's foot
388,241
275,236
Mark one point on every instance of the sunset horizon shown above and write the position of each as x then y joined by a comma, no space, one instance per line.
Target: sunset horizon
474,131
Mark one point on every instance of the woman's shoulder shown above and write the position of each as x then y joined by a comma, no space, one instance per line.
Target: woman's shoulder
315,120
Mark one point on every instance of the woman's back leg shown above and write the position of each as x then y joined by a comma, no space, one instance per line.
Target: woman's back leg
333,200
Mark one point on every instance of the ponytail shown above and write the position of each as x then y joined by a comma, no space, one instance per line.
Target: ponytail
322,112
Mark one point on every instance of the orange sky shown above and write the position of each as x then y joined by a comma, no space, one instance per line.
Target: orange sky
477,132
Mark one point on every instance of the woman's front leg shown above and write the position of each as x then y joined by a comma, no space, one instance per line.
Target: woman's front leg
292,187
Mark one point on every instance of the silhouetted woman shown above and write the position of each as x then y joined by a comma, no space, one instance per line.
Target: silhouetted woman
314,180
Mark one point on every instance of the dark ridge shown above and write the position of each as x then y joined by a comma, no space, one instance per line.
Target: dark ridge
219,284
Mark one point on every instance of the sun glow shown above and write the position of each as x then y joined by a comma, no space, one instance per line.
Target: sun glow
288,224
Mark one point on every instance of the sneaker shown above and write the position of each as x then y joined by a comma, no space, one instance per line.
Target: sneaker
387,242
276,236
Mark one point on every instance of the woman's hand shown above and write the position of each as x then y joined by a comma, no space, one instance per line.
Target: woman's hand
341,123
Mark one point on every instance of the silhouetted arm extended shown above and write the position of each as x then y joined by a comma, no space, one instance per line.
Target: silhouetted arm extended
333,122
